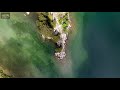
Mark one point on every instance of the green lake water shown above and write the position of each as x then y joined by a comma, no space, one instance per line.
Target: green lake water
21,51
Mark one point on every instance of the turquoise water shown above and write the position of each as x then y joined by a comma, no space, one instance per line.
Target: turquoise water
96,48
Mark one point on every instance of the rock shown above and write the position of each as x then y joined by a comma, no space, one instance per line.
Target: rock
55,32
49,37
59,43
27,13
43,37
60,55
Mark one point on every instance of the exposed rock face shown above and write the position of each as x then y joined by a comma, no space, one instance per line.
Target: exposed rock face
59,43
60,55
55,32
63,35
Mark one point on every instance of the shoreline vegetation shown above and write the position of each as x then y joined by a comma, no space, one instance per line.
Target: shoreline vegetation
54,26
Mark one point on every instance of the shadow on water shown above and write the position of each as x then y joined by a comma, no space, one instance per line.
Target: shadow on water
101,40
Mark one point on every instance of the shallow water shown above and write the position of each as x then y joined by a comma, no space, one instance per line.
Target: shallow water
22,53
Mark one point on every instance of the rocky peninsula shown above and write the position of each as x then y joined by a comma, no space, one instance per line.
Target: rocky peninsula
54,26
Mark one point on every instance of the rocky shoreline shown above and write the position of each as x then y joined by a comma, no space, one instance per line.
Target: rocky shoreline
60,21
63,35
